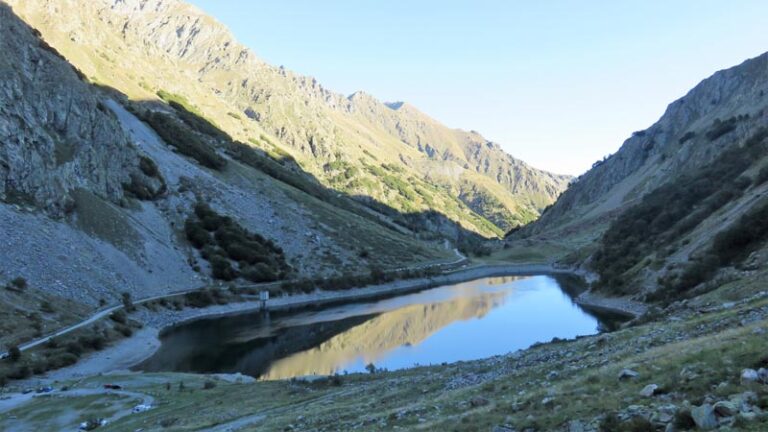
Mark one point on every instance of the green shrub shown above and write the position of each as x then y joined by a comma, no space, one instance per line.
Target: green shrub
260,273
47,307
683,420
14,353
638,424
148,167
729,247
18,284
686,137
196,234
21,372
669,212
222,269
124,330
62,360
199,299
720,128
208,385
377,275
74,348
119,317
610,423
740,239
184,140
127,302
93,342
257,258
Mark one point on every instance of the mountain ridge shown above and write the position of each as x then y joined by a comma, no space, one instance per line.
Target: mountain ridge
180,50
686,183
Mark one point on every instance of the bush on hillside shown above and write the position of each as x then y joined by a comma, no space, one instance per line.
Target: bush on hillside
200,123
179,136
686,137
148,167
260,273
222,269
119,317
196,234
730,247
18,284
720,127
232,250
14,353
199,299
667,213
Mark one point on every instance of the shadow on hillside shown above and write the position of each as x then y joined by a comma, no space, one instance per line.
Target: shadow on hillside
194,136
180,125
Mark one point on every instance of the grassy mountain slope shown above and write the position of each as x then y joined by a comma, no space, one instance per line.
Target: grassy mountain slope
168,47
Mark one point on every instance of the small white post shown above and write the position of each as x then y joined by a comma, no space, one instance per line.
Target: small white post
264,296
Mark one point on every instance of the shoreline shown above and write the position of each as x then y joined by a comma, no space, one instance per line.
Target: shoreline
619,305
127,353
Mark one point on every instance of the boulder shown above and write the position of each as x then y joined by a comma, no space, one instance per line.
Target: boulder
648,390
478,401
704,417
626,374
575,426
762,375
726,408
749,375
748,417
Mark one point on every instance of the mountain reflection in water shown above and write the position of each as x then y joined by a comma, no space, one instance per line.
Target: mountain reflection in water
464,321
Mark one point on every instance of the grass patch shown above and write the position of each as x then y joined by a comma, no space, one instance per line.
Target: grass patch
180,137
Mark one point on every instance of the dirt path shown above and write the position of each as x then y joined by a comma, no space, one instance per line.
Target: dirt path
252,419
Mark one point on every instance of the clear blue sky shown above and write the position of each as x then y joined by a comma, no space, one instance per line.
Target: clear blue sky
559,84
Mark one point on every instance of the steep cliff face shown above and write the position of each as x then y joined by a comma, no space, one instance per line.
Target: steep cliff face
142,47
56,135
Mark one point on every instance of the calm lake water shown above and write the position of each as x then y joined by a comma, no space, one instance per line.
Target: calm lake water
465,321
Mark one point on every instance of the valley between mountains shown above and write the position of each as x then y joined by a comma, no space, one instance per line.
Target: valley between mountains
155,173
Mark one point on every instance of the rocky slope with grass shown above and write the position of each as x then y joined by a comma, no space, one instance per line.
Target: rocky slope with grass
677,210
94,203
380,154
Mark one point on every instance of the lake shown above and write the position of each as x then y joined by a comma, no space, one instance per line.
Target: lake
464,321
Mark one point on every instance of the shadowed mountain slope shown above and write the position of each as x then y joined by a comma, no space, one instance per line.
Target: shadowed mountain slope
659,216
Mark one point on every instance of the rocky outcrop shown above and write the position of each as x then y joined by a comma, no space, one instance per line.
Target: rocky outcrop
56,135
